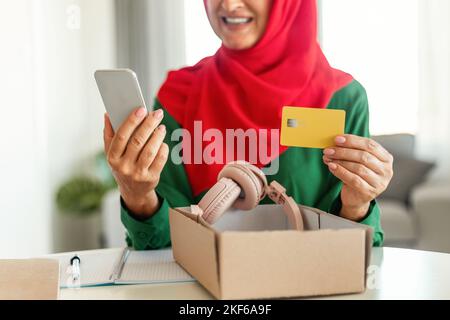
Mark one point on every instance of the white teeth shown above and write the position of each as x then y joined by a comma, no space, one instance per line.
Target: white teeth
237,20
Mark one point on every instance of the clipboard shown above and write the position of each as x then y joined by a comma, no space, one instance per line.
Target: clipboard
122,266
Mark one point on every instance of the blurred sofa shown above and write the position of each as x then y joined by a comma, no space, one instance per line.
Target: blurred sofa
414,212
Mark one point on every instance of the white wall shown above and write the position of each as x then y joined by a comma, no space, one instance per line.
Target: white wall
377,42
51,111
24,213
201,41
75,116
151,40
434,102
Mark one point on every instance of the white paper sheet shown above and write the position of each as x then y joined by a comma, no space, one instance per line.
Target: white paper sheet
140,267
152,267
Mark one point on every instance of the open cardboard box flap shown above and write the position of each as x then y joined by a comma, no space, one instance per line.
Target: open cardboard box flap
253,255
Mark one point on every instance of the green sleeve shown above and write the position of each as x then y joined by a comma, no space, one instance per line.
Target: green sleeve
357,123
173,191
150,234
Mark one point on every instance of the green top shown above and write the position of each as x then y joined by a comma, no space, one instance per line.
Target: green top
309,182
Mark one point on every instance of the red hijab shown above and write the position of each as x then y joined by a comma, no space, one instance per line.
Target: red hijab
248,88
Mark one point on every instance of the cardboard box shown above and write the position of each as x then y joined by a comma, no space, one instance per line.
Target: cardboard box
253,255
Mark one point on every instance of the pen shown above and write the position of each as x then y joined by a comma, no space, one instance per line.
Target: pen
75,263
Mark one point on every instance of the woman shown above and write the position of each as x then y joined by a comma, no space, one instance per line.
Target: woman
269,58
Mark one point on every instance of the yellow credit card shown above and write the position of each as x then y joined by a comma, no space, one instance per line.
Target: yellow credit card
311,127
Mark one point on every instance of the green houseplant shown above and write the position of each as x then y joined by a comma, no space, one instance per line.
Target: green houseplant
80,195
79,200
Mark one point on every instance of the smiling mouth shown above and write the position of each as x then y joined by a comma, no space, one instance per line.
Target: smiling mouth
236,21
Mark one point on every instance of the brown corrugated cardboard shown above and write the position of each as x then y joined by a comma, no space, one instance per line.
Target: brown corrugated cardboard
34,279
252,255
198,253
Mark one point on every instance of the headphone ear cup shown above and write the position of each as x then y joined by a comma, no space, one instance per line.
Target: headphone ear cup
241,185
252,184
219,199
261,177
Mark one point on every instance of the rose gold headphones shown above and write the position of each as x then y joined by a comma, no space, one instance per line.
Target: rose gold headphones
242,186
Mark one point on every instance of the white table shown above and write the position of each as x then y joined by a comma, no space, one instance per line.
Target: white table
394,274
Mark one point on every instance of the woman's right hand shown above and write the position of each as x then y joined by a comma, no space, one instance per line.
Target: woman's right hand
137,155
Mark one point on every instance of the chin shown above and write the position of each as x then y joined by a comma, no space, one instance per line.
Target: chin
238,44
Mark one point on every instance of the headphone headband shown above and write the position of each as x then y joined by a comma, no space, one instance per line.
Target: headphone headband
242,186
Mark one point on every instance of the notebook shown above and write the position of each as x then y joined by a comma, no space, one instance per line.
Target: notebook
124,266
33,279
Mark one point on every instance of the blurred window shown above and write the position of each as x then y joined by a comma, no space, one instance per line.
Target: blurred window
377,42
201,40
374,40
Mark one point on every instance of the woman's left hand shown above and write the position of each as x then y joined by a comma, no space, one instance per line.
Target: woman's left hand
365,168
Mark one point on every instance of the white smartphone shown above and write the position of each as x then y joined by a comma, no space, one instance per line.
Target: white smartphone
121,93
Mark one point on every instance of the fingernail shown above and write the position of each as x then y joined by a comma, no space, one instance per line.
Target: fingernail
141,112
162,128
158,114
329,152
326,160
332,166
340,140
